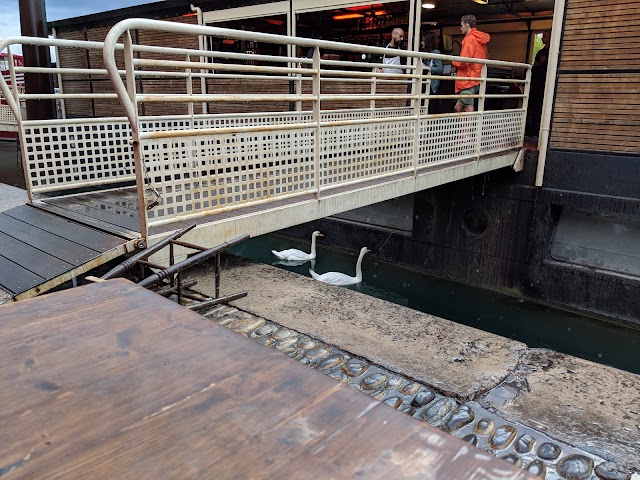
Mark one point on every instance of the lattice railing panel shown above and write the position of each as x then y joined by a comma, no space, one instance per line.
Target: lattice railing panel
76,154
502,131
6,115
221,172
447,138
217,121
359,152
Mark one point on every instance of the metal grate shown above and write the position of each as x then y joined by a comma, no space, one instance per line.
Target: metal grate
447,138
361,152
202,173
6,115
502,131
77,154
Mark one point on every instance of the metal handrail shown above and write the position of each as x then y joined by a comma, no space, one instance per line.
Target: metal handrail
305,78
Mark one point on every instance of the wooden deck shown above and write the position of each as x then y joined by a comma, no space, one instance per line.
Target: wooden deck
39,250
110,381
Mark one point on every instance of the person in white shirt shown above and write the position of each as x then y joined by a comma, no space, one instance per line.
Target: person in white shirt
397,39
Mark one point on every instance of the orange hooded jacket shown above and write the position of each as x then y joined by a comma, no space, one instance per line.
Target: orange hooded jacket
474,45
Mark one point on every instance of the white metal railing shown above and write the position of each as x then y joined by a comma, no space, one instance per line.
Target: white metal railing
324,124
219,167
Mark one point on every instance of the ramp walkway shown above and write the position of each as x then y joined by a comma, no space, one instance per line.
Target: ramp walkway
40,250
152,138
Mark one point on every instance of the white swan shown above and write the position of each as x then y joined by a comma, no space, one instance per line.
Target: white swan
293,255
337,278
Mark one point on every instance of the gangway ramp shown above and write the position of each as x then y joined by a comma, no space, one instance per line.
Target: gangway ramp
40,250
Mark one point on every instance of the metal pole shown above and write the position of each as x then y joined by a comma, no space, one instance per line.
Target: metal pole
216,301
129,263
33,23
135,135
217,275
316,118
189,262
550,88
483,92
63,108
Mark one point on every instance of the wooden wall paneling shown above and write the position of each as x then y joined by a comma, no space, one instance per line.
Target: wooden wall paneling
599,110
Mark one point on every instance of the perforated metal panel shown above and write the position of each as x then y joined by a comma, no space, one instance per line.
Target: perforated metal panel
75,154
502,131
447,138
6,115
226,171
360,152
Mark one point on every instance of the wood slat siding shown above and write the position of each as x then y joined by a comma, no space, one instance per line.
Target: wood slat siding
247,84
74,58
599,110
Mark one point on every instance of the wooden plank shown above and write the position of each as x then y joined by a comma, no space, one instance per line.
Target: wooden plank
75,232
37,261
112,381
612,8
586,78
608,22
15,278
581,4
56,246
88,216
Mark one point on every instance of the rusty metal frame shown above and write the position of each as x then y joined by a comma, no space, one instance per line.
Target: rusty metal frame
173,272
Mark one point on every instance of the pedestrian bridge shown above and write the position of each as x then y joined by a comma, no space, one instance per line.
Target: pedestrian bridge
244,143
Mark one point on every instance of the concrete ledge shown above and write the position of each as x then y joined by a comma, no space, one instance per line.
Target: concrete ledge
459,361
584,404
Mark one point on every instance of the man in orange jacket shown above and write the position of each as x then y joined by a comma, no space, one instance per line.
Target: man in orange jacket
474,45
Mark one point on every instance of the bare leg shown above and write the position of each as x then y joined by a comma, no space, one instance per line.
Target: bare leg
459,106
468,108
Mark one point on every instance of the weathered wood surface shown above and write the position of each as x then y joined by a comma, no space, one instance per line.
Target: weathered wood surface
112,381
36,247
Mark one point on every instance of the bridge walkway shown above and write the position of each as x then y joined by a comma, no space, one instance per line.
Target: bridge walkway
280,140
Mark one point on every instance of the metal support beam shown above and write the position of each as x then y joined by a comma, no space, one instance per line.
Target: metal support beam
33,23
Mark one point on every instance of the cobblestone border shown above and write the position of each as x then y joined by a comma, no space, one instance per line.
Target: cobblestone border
518,444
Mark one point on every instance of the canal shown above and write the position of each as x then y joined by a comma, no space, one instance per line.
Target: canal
533,324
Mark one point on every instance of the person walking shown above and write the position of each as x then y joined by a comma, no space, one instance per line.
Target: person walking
397,40
474,45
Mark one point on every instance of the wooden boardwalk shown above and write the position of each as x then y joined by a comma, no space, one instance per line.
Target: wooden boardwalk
110,381
39,250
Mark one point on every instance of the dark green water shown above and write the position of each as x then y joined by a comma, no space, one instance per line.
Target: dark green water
533,324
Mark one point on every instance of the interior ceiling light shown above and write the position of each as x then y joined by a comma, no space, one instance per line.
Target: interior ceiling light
428,6
364,7
481,2
347,16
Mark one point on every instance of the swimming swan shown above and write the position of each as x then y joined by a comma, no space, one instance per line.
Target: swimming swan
337,278
298,255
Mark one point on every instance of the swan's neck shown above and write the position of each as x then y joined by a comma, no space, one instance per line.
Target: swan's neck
359,266
313,246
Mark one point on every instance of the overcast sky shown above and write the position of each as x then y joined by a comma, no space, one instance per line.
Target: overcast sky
57,10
